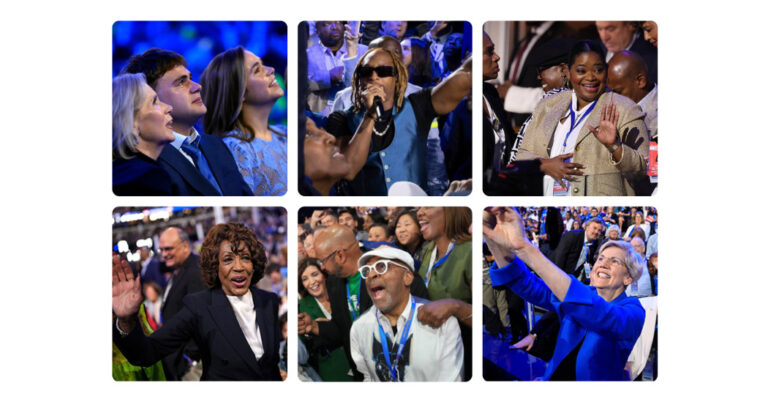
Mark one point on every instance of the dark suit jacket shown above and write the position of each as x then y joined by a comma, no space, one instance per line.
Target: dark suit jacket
648,53
208,318
335,333
523,177
187,180
187,280
139,175
568,251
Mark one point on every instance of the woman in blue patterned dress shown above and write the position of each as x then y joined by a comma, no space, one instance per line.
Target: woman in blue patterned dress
239,92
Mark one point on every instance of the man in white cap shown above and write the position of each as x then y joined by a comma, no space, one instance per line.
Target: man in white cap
388,342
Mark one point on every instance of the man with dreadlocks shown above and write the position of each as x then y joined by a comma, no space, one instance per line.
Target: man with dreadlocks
400,124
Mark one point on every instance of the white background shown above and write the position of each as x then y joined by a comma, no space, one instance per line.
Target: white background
56,71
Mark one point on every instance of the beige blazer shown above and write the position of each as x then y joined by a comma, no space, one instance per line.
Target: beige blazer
602,176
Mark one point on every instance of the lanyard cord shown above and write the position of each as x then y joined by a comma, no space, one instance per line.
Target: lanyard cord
575,123
437,264
403,339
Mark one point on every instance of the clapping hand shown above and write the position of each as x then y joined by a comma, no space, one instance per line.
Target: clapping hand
126,290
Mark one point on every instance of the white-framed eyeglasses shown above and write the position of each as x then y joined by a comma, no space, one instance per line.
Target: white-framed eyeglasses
380,266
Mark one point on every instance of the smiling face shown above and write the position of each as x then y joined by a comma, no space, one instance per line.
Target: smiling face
593,230
235,269
615,35
261,86
153,121
432,222
610,271
389,292
490,59
346,219
588,77
173,250
639,219
177,89
313,280
407,231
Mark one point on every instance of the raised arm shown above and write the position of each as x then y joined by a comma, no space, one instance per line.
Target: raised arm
447,94
508,239
126,294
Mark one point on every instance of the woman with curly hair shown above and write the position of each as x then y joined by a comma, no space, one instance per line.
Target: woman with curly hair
233,323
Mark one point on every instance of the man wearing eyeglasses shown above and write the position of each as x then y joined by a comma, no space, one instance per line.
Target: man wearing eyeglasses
388,342
338,251
186,278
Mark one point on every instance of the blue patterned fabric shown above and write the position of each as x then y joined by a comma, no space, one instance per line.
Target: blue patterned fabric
263,164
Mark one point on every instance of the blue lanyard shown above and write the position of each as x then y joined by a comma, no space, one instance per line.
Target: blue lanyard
576,123
437,264
351,304
403,339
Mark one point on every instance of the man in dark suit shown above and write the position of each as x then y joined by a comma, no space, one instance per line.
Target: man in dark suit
578,247
616,36
150,269
338,250
521,178
186,279
198,164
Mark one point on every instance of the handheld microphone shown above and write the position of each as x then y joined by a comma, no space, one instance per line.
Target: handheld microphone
379,107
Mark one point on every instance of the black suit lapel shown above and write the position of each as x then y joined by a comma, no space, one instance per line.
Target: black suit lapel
175,161
224,317
265,321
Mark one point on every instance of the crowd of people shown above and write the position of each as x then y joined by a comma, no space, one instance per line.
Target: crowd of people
385,294
203,298
575,112
559,259
174,136
387,107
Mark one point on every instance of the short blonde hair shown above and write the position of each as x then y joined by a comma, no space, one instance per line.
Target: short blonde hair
632,259
127,93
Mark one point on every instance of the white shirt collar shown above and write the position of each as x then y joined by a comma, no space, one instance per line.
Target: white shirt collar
181,137
384,321
647,98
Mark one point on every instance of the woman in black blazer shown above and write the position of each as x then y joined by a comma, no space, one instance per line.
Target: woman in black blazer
234,324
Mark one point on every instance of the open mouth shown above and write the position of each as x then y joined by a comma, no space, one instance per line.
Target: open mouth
169,124
239,281
424,226
591,87
603,275
336,153
377,292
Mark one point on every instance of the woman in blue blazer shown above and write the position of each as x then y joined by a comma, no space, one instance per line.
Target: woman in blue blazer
234,324
599,323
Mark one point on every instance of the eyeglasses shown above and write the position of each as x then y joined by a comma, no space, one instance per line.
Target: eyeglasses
329,256
381,71
380,266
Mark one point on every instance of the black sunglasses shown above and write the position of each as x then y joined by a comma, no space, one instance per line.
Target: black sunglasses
381,71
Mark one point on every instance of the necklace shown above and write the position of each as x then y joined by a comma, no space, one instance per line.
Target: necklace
389,123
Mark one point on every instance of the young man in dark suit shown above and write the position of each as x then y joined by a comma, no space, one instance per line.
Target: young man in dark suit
199,164
578,247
